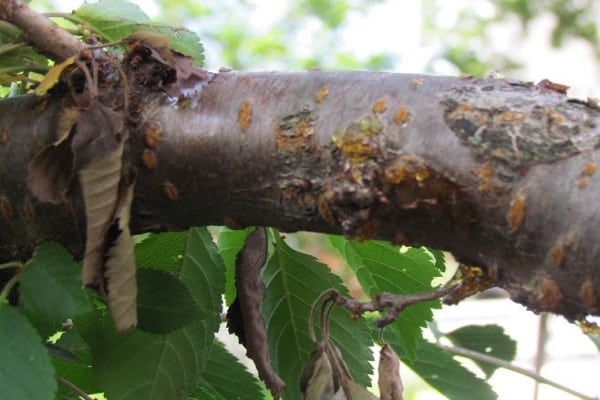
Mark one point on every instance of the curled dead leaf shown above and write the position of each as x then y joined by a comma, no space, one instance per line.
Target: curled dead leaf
390,384
316,381
51,171
251,330
157,42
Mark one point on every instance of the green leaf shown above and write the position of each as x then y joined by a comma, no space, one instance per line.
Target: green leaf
294,280
81,375
438,368
230,243
141,365
440,259
162,251
164,302
50,288
381,267
112,19
226,378
487,339
203,271
148,366
26,372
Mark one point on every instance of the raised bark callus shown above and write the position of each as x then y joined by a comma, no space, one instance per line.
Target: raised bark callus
501,173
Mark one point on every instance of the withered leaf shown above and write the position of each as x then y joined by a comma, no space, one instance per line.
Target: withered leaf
120,269
157,42
250,294
390,384
52,76
316,381
189,79
50,171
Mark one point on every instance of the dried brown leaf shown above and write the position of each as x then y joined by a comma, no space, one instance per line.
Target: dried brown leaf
390,384
120,269
189,79
316,381
157,42
50,171
250,294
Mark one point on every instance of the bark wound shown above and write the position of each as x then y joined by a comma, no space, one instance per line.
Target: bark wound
245,114
506,122
362,178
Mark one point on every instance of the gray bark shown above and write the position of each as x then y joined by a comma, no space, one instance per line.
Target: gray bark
500,173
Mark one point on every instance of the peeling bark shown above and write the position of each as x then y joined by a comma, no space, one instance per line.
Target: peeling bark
500,173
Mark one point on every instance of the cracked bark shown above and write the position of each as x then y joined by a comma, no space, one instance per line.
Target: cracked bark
500,173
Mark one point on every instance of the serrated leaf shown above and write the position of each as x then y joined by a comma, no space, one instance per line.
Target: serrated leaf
203,271
294,280
438,368
50,288
164,302
187,43
112,19
161,251
78,374
225,378
486,339
230,242
381,267
440,259
26,372
148,366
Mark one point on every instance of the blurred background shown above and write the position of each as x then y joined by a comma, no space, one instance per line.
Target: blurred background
529,40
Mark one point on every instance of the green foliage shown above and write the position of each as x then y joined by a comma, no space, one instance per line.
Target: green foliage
161,251
50,289
489,339
25,369
294,280
226,378
230,242
164,303
443,372
381,267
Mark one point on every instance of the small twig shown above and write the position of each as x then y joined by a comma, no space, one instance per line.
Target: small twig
11,264
39,31
8,287
461,351
394,302
74,388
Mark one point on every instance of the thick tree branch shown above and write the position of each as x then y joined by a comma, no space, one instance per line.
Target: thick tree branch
40,32
500,173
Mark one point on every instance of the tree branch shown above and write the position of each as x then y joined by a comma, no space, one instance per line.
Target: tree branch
500,173
43,34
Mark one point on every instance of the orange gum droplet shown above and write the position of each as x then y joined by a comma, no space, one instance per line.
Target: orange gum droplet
558,255
401,116
6,208
151,136
322,93
589,169
245,114
516,212
149,159
380,106
170,191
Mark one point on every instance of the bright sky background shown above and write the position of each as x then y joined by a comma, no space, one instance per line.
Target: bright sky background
394,26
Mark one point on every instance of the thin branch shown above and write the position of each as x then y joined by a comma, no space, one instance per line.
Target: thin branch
43,34
395,303
73,388
8,287
12,264
461,351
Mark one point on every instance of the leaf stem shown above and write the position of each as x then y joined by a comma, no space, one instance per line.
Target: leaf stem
8,287
73,388
461,351
11,264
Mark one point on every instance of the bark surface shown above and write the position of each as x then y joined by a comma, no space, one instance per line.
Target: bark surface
500,173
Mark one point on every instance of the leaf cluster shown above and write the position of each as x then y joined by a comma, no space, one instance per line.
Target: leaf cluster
67,331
